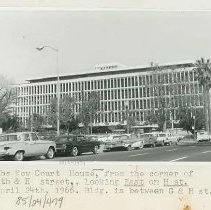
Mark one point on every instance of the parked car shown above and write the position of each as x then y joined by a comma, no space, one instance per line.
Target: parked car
203,136
122,142
76,144
138,144
166,139
147,140
25,144
160,139
110,141
187,140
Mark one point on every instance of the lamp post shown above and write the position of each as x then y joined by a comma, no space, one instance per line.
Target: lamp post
127,115
58,82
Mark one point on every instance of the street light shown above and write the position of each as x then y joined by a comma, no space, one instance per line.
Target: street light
58,83
127,115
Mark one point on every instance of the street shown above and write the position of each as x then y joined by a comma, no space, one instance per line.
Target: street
195,152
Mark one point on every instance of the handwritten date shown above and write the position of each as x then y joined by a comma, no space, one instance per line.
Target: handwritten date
44,201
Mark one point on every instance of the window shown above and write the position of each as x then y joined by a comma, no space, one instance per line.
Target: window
148,92
126,93
129,93
133,81
112,83
140,81
125,82
118,94
191,75
123,94
136,92
26,137
144,81
105,95
186,76
144,92
122,82
140,90
115,83
105,83
136,81
101,83
182,76
147,80
178,77
166,78
170,78
129,81
145,104
109,84
34,136
196,89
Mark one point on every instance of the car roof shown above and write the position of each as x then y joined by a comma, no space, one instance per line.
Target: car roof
71,135
17,133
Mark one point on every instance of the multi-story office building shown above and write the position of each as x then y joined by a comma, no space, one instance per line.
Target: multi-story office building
119,88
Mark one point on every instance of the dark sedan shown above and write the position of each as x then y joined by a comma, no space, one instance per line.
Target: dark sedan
75,145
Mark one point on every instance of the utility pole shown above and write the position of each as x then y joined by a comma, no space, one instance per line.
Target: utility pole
58,83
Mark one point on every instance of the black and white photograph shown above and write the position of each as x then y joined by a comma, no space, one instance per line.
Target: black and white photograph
105,85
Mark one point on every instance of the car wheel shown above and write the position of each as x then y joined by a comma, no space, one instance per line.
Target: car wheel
74,152
129,148
50,153
141,147
19,156
95,149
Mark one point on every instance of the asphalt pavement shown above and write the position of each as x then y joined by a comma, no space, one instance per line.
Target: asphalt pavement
188,153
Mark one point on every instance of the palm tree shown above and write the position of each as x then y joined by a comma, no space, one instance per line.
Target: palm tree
203,75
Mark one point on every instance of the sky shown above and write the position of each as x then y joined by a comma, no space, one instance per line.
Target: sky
87,38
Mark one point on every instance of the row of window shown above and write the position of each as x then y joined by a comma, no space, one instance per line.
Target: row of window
123,106
118,117
131,81
138,93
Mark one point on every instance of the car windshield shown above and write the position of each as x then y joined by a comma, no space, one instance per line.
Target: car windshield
145,135
124,137
61,139
188,137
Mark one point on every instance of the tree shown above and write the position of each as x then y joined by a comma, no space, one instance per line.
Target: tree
163,104
35,122
67,112
10,123
89,109
187,121
7,95
185,118
203,75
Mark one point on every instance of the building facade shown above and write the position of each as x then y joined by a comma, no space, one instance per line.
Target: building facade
119,89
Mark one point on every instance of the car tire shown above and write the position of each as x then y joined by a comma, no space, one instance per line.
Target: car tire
19,156
74,151
141,147
95,149
129,148
50,153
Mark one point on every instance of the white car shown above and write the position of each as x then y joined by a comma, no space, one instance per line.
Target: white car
203,136
166,138
122,141
25,144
